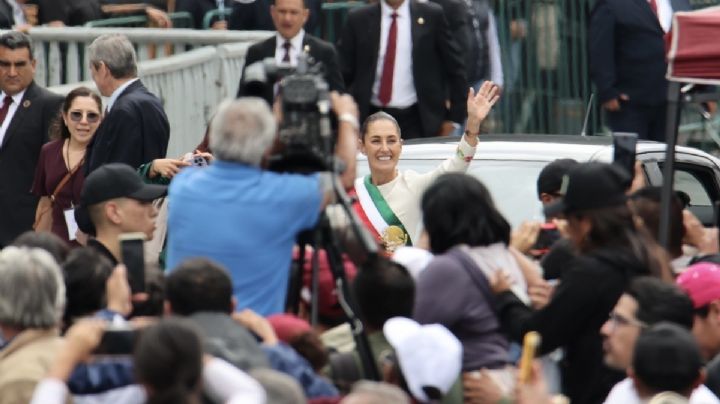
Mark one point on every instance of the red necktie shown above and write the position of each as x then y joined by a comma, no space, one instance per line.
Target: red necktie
5,107
653,7
386,81
287,46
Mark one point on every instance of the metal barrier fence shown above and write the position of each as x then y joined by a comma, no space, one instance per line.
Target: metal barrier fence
190,86
61,56
545,65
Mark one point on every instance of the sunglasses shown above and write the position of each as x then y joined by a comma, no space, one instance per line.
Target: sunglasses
92,117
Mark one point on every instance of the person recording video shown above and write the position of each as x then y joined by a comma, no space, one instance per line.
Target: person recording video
243,216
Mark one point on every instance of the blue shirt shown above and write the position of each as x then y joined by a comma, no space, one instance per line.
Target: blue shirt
245,219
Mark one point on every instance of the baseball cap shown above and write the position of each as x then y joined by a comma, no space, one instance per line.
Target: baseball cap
288,326
430,356
110,181
550,178
667,358
592,185
701,282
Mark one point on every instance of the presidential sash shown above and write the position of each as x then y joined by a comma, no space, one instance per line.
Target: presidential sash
380,217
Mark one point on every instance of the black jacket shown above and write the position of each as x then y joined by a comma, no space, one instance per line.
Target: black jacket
627,51
19,153
438,63
572,320
134,132
318,49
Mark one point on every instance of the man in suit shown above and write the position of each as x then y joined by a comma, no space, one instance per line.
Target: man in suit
627,62
288,17
26,111
135,129
408,66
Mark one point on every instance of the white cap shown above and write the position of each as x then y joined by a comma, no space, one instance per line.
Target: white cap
429,355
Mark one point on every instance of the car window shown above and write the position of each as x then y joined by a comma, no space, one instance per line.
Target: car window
688,182
511,183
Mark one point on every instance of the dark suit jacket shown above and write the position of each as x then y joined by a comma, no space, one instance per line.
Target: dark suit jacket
134,132
438,65
320,50
19,152
627,51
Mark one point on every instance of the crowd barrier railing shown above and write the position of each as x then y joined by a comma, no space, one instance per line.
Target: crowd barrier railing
62,58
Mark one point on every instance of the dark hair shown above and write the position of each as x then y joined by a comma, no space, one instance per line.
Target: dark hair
667,358
58,129
86,273
168,359
47,241
310,347
646,205
384,289
614,228
17,40
660,301
458,209
199,284
378,116
305,3
155,289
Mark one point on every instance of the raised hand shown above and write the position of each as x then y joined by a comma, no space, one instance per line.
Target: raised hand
479,105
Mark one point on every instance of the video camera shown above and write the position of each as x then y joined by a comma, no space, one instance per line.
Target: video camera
305,141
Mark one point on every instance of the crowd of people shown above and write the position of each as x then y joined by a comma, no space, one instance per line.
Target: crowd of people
435,309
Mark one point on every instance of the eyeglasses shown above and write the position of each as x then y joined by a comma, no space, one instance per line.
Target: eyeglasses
620,320
77,116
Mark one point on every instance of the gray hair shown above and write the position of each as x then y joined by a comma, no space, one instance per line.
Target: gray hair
369,392
116,52
242,130
16,40
32,290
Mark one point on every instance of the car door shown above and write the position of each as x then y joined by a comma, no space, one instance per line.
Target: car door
696,176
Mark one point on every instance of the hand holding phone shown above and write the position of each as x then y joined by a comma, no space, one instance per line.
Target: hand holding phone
132,247
624,148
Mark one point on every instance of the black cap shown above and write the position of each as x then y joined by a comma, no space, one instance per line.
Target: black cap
110,181
667,358
592,185
550,178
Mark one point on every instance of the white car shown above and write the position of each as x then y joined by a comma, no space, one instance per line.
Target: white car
509,165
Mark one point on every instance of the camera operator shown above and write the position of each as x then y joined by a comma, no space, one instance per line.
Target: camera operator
244,217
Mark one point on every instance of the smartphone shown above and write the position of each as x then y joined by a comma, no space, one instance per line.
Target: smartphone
117,340
548,235
199,161
132,248
531,343
624,145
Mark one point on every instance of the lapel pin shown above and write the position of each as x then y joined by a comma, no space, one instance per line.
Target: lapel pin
26,103
421,21
306,49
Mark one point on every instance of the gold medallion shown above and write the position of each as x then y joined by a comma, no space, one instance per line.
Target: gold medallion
394,237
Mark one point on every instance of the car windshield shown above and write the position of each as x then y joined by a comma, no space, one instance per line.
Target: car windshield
511,183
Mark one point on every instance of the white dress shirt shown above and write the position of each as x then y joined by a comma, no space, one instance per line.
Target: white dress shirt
665,13
295,47
403,86
114,96
17,98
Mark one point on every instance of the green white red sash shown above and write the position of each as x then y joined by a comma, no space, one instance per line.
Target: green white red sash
377,211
